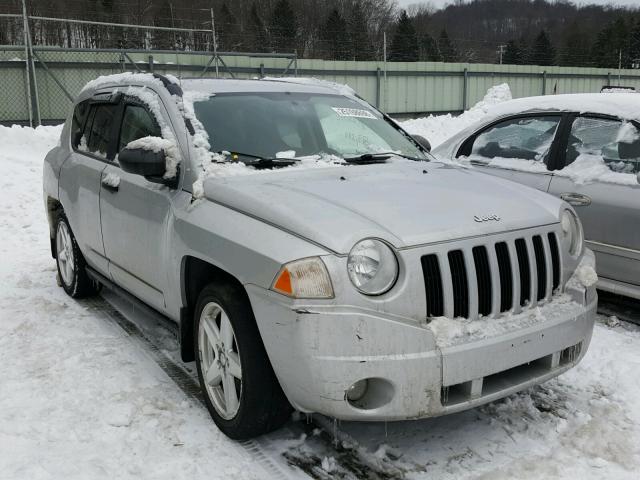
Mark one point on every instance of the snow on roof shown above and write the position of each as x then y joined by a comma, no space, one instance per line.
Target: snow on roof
269,84
623,105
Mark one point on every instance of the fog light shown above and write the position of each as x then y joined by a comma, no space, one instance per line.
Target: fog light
357,390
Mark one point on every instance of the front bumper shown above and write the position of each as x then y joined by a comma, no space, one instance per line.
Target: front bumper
414,370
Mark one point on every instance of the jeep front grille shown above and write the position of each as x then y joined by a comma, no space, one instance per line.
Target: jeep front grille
492,278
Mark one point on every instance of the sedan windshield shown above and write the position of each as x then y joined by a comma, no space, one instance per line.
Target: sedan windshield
270,125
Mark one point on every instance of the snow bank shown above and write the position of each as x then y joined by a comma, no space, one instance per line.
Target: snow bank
438,128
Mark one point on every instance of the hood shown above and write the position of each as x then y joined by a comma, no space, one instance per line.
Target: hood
403,202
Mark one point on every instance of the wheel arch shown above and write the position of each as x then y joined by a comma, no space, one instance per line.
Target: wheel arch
54,208
195,274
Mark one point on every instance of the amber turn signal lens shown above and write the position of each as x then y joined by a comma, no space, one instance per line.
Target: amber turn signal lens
283,283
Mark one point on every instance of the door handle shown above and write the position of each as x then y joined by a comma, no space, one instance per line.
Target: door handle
109,185
576,199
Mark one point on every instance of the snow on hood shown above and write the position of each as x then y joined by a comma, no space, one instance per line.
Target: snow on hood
404,202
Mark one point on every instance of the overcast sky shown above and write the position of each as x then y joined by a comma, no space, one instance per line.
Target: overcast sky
440,3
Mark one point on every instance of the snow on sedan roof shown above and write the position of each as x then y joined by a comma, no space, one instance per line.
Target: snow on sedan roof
623,105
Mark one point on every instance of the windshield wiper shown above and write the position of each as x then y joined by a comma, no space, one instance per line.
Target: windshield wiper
257,161
382,157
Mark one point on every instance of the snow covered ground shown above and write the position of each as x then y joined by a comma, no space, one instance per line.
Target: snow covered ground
84,396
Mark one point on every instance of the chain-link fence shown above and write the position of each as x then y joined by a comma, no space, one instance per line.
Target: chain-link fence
58,74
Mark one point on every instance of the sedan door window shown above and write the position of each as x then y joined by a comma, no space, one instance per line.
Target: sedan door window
527,139
602,140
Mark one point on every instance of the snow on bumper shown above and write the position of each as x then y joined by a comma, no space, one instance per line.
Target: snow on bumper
417,370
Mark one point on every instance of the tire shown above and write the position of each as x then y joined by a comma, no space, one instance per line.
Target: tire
261,405
72,273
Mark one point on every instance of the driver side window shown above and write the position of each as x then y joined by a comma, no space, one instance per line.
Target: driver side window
137,123
523,138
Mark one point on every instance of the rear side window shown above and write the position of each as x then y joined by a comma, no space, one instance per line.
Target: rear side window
99,130
595,140
137,123
524,138
80,114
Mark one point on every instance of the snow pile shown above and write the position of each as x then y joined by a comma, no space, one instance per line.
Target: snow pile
585,275
111,180
438,128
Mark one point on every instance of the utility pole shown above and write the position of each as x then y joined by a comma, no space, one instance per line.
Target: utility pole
215,41
619,65
384,52
501,49
173,25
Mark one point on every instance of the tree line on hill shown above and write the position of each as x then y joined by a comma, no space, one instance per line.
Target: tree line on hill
512,31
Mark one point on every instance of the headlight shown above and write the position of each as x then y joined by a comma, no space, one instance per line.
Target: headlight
306,278
572,232
372,267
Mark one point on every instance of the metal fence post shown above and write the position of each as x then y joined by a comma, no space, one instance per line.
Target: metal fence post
544,82
262,70
151,63
608,79
378,86
465,80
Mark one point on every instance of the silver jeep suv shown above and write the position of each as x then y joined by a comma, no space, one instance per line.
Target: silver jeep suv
312,253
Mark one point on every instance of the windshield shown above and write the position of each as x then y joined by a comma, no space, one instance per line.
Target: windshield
269,125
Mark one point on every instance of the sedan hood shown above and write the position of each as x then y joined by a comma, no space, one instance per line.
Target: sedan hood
403,202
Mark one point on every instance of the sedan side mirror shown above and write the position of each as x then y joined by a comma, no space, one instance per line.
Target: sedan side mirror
423,142
143,162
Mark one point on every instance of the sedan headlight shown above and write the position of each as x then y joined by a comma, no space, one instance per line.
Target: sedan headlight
572,232
372,267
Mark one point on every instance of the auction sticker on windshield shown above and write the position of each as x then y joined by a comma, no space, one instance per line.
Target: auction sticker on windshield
353,112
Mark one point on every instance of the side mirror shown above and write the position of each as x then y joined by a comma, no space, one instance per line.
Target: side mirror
423,142
143,162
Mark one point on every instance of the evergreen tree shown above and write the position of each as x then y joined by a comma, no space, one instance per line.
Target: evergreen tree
334,37
634,45
448,51
257,32
429,49
612,45
360,47
404,47
515,53
542,52
228,30
575,48
283,28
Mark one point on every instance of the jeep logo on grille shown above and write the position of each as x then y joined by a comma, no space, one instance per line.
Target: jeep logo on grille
486,218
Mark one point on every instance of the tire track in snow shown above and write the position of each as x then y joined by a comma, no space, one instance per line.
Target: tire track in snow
182,378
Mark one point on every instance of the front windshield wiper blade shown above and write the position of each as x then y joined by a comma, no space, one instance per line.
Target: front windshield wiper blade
257,161
382,157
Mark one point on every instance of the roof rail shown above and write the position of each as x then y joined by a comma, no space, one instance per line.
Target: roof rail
173,88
